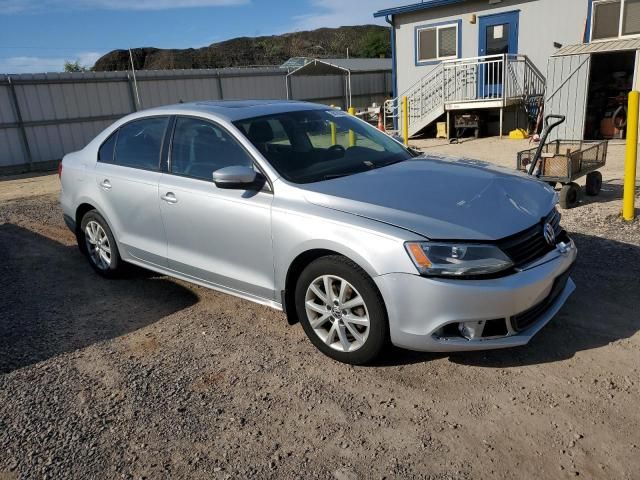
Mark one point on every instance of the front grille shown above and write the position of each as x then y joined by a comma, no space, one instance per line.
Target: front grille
529,245
525,319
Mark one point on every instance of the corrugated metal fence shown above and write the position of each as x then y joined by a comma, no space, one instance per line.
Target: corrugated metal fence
44,116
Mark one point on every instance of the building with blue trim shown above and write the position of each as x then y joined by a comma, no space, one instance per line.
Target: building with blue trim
488,54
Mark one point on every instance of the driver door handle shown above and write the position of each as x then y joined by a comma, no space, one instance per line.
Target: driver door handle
169,197
105,184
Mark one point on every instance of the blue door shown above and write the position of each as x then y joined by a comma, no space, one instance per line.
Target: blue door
498,36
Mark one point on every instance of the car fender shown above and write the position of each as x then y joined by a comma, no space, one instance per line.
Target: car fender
296,233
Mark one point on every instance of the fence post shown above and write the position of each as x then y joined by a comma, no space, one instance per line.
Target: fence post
220,85
631,158
352,134
23,131
405,121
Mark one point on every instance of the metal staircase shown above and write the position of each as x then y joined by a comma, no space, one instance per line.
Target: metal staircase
496,81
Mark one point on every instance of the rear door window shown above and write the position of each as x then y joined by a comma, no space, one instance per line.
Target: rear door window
139,143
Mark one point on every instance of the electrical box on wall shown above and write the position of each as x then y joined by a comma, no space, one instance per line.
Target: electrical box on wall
473,18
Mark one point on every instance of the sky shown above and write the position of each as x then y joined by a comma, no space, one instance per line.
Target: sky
39,35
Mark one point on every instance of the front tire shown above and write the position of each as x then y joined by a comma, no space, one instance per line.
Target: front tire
100,245
341,310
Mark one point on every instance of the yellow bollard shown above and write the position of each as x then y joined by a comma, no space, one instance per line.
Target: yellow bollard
405,121
629,197
334,136
352,134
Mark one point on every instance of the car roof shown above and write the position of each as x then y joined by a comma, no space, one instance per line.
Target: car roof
233,110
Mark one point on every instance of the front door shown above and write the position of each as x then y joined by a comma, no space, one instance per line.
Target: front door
498,36
221,237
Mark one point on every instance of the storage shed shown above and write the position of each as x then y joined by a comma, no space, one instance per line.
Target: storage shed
589,84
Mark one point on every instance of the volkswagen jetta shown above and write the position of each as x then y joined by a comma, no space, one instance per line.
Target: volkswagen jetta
310,210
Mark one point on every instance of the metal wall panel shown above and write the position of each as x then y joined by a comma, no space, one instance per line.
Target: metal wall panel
62,112
318,87
7,112
259,87
12,151
567,88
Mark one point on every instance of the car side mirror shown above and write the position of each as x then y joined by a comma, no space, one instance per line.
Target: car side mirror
237,176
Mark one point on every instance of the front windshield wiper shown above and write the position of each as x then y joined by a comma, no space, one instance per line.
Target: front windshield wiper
336,175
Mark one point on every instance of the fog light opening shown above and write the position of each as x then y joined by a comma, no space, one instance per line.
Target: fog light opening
471,330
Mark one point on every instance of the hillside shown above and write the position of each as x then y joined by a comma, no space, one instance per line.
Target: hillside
362,41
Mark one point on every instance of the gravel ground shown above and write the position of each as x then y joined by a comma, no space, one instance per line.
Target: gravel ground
148,377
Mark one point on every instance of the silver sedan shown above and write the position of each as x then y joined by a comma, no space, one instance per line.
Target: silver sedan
309,210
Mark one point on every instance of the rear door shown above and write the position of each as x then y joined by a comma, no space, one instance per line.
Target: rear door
127,174
218,236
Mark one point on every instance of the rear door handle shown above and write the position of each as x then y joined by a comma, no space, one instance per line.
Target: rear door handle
169,197
106,184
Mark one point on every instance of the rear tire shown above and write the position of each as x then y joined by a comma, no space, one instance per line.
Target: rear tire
594,184
570,195
100,245
341,310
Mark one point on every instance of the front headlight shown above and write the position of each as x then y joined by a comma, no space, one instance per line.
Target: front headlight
457,259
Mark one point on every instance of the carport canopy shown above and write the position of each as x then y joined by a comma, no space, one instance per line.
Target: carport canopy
339,66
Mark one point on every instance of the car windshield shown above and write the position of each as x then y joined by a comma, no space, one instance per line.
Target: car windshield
315,145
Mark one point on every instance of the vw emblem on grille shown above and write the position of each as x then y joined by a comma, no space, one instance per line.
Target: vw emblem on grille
549,234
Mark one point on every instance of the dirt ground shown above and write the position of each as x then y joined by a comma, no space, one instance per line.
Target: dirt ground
148,377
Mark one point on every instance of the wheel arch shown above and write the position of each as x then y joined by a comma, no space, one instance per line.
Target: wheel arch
82,209
296,267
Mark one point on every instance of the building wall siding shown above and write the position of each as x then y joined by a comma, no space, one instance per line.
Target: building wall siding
542,22
567,85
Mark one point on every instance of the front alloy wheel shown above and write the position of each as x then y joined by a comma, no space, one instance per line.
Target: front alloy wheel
341,310
337,313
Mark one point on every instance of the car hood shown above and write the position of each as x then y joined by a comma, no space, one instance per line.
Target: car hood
440,198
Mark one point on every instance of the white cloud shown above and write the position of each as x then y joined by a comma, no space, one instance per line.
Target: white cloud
35,64
87,59
20,6
29,64
337,13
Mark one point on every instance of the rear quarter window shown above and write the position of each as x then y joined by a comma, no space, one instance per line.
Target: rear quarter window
107,149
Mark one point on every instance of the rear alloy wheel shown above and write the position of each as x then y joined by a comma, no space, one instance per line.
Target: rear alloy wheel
341,310
100,246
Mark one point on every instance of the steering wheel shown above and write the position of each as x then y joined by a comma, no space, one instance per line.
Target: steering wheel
337,149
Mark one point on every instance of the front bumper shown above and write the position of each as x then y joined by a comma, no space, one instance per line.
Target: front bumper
419,307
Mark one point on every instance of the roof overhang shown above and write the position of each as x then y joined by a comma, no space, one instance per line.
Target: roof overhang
599,47
415,7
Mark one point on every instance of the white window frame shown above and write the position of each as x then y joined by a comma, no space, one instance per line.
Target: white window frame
623,6
437,28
